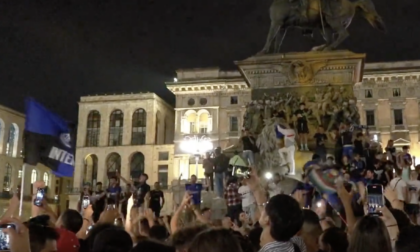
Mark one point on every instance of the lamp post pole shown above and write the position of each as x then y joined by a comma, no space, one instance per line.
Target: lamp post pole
196,146
197,157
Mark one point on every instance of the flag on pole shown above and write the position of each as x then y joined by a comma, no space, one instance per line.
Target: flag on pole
47,140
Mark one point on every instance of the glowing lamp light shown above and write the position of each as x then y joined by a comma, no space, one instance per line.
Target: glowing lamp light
268,175
196,145
175,80
375,137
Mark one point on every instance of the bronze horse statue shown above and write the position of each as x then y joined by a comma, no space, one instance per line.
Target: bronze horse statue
332,17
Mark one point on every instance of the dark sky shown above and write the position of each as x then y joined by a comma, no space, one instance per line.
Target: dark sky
57,51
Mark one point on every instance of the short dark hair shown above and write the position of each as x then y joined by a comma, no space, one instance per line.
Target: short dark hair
98,183
93,233
336,238
145,175
152,246
183,238
112,239
302,103
113,177
158,232
315,156
408,239
360,134
285,221
232,180
406,147
311,223
39,235
72,220
205,209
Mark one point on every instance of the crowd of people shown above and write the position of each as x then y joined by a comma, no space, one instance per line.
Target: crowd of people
260,215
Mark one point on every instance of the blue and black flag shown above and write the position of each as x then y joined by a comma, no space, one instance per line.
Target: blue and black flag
48,140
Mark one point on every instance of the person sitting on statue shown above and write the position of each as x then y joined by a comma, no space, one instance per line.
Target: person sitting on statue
249,147
287,136
347,140
302,126
320,140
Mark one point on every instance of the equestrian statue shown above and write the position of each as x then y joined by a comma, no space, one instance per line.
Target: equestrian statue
332,17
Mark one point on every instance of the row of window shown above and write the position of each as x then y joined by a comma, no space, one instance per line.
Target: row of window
113,164
396,92
8,175
203,101
398,117
116,128
12,138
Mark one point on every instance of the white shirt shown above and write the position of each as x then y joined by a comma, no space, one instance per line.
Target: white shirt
399,186
247,196
413,190
274,189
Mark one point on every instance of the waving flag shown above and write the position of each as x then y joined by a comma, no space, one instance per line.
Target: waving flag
47,140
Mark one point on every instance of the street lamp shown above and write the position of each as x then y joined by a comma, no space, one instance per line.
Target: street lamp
196,146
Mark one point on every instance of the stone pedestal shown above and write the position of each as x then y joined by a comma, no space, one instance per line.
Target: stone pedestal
323,81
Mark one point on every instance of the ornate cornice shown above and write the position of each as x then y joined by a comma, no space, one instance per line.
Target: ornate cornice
208,87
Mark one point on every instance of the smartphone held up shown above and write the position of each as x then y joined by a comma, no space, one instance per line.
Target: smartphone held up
4,238
39,197
375,198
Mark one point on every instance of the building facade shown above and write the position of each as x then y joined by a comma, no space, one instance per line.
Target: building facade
131,133
209,103
12,125
388,101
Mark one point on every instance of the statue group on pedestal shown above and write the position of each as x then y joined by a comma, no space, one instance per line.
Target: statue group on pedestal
332,17
325,107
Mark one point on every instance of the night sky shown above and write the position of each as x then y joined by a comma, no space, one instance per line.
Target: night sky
57,51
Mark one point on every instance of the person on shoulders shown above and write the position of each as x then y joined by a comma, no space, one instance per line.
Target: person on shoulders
248,200
399,186
412,206
194,189
320,141
157,199
113,192
274,186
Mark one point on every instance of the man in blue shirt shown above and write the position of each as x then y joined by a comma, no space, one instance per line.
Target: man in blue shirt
113,192
194,190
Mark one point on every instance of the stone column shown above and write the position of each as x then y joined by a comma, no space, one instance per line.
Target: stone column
79,167
150,124
104,131
127,127
102,172
125,166
27,185
81,128
414,146
385,137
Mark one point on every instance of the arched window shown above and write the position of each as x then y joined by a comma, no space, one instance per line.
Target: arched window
34,176
46,179
136,165
138,134
91,170
12,140
93,129
7,179
113,163
116,123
